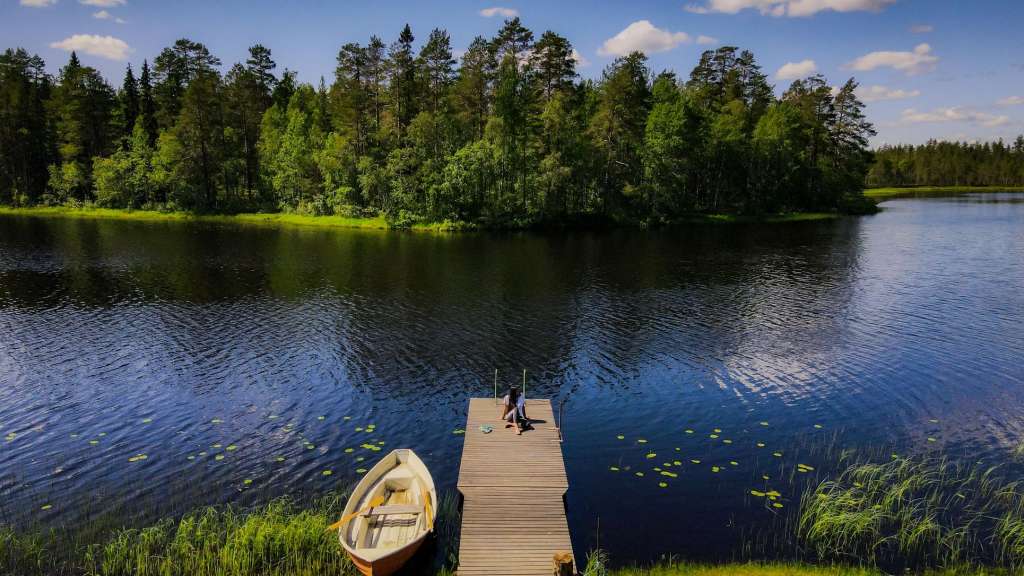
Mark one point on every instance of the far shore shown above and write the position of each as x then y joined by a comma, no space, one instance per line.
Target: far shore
886,193
374,223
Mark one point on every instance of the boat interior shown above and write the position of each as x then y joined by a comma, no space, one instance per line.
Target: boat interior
398,521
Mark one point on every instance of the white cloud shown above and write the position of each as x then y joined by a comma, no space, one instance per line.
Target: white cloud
643,36
38,3
1012,101
704,40
104,3
790,8
879,93
919,61
580,59
954,114
94,45
499,11
102,15
794,70
921,28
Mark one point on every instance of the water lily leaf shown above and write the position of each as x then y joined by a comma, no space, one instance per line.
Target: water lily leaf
656,469
777,454
933,420
349,450
669,474
147,420
360,458
137,457
805,466
216,421
613,468
280,458
231,448
640,474
765,477
713,436
94,442
727,441
346,418
359,428
621,437
818,426
641,441
695,461
218,457
715,469
777,504
458,432
930,439
216,446
327,472
247,481
663,484
360,470
321,417
688,431
651,455
757,493
763,423
677,463
717,430
760,444
191,457
733,463
46,507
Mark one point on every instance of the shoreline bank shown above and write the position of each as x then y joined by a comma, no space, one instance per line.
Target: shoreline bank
910,191
379,222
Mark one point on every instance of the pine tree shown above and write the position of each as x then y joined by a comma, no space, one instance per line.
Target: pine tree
147,107
403,81
129,98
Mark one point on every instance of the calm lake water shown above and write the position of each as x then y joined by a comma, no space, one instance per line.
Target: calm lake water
215,350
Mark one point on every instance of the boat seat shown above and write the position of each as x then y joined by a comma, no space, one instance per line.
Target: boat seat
395,509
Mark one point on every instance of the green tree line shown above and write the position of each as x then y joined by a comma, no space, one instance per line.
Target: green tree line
949,164
509,135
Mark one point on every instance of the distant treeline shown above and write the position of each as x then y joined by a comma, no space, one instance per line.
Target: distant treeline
949,164
510,135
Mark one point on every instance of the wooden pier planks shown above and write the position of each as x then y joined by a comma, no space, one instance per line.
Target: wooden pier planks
513,514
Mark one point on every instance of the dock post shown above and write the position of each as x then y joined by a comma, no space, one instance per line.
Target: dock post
495,386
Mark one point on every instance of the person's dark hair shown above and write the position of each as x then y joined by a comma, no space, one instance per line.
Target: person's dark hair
513,395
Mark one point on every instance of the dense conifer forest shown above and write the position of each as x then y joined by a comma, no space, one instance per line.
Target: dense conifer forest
507,135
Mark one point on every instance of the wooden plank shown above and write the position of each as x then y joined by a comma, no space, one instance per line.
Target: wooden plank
513,489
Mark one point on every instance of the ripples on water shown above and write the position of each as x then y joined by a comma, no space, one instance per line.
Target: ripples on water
166,339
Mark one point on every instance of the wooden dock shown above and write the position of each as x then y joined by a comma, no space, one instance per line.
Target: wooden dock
513,512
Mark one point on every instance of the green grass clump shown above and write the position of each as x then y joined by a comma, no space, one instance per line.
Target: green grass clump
915,513
276,539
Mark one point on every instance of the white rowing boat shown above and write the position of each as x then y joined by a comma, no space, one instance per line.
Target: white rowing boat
390,513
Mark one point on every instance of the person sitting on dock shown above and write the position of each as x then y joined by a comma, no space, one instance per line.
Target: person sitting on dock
513,409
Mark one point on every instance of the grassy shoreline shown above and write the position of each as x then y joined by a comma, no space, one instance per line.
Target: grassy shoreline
375,223
884,193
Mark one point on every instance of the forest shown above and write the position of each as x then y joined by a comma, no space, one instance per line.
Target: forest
508,135
949,164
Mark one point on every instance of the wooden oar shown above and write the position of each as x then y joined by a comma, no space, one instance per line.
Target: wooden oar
372,504
426,510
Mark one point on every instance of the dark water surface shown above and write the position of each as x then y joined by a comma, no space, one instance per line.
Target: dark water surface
181,340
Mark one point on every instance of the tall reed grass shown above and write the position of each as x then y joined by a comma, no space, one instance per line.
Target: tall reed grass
915,513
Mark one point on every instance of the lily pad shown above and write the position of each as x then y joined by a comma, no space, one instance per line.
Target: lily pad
777,454
247,481
620,437
147,420
613,468
218,457
695,461
360,470
216,421
641,441
46,507
715,469
688,431
640,474
760,444
327,472
663,484
231,448
763,423
651,455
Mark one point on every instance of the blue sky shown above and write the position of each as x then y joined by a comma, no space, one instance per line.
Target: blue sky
928,68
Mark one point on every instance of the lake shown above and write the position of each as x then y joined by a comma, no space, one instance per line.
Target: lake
148,367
